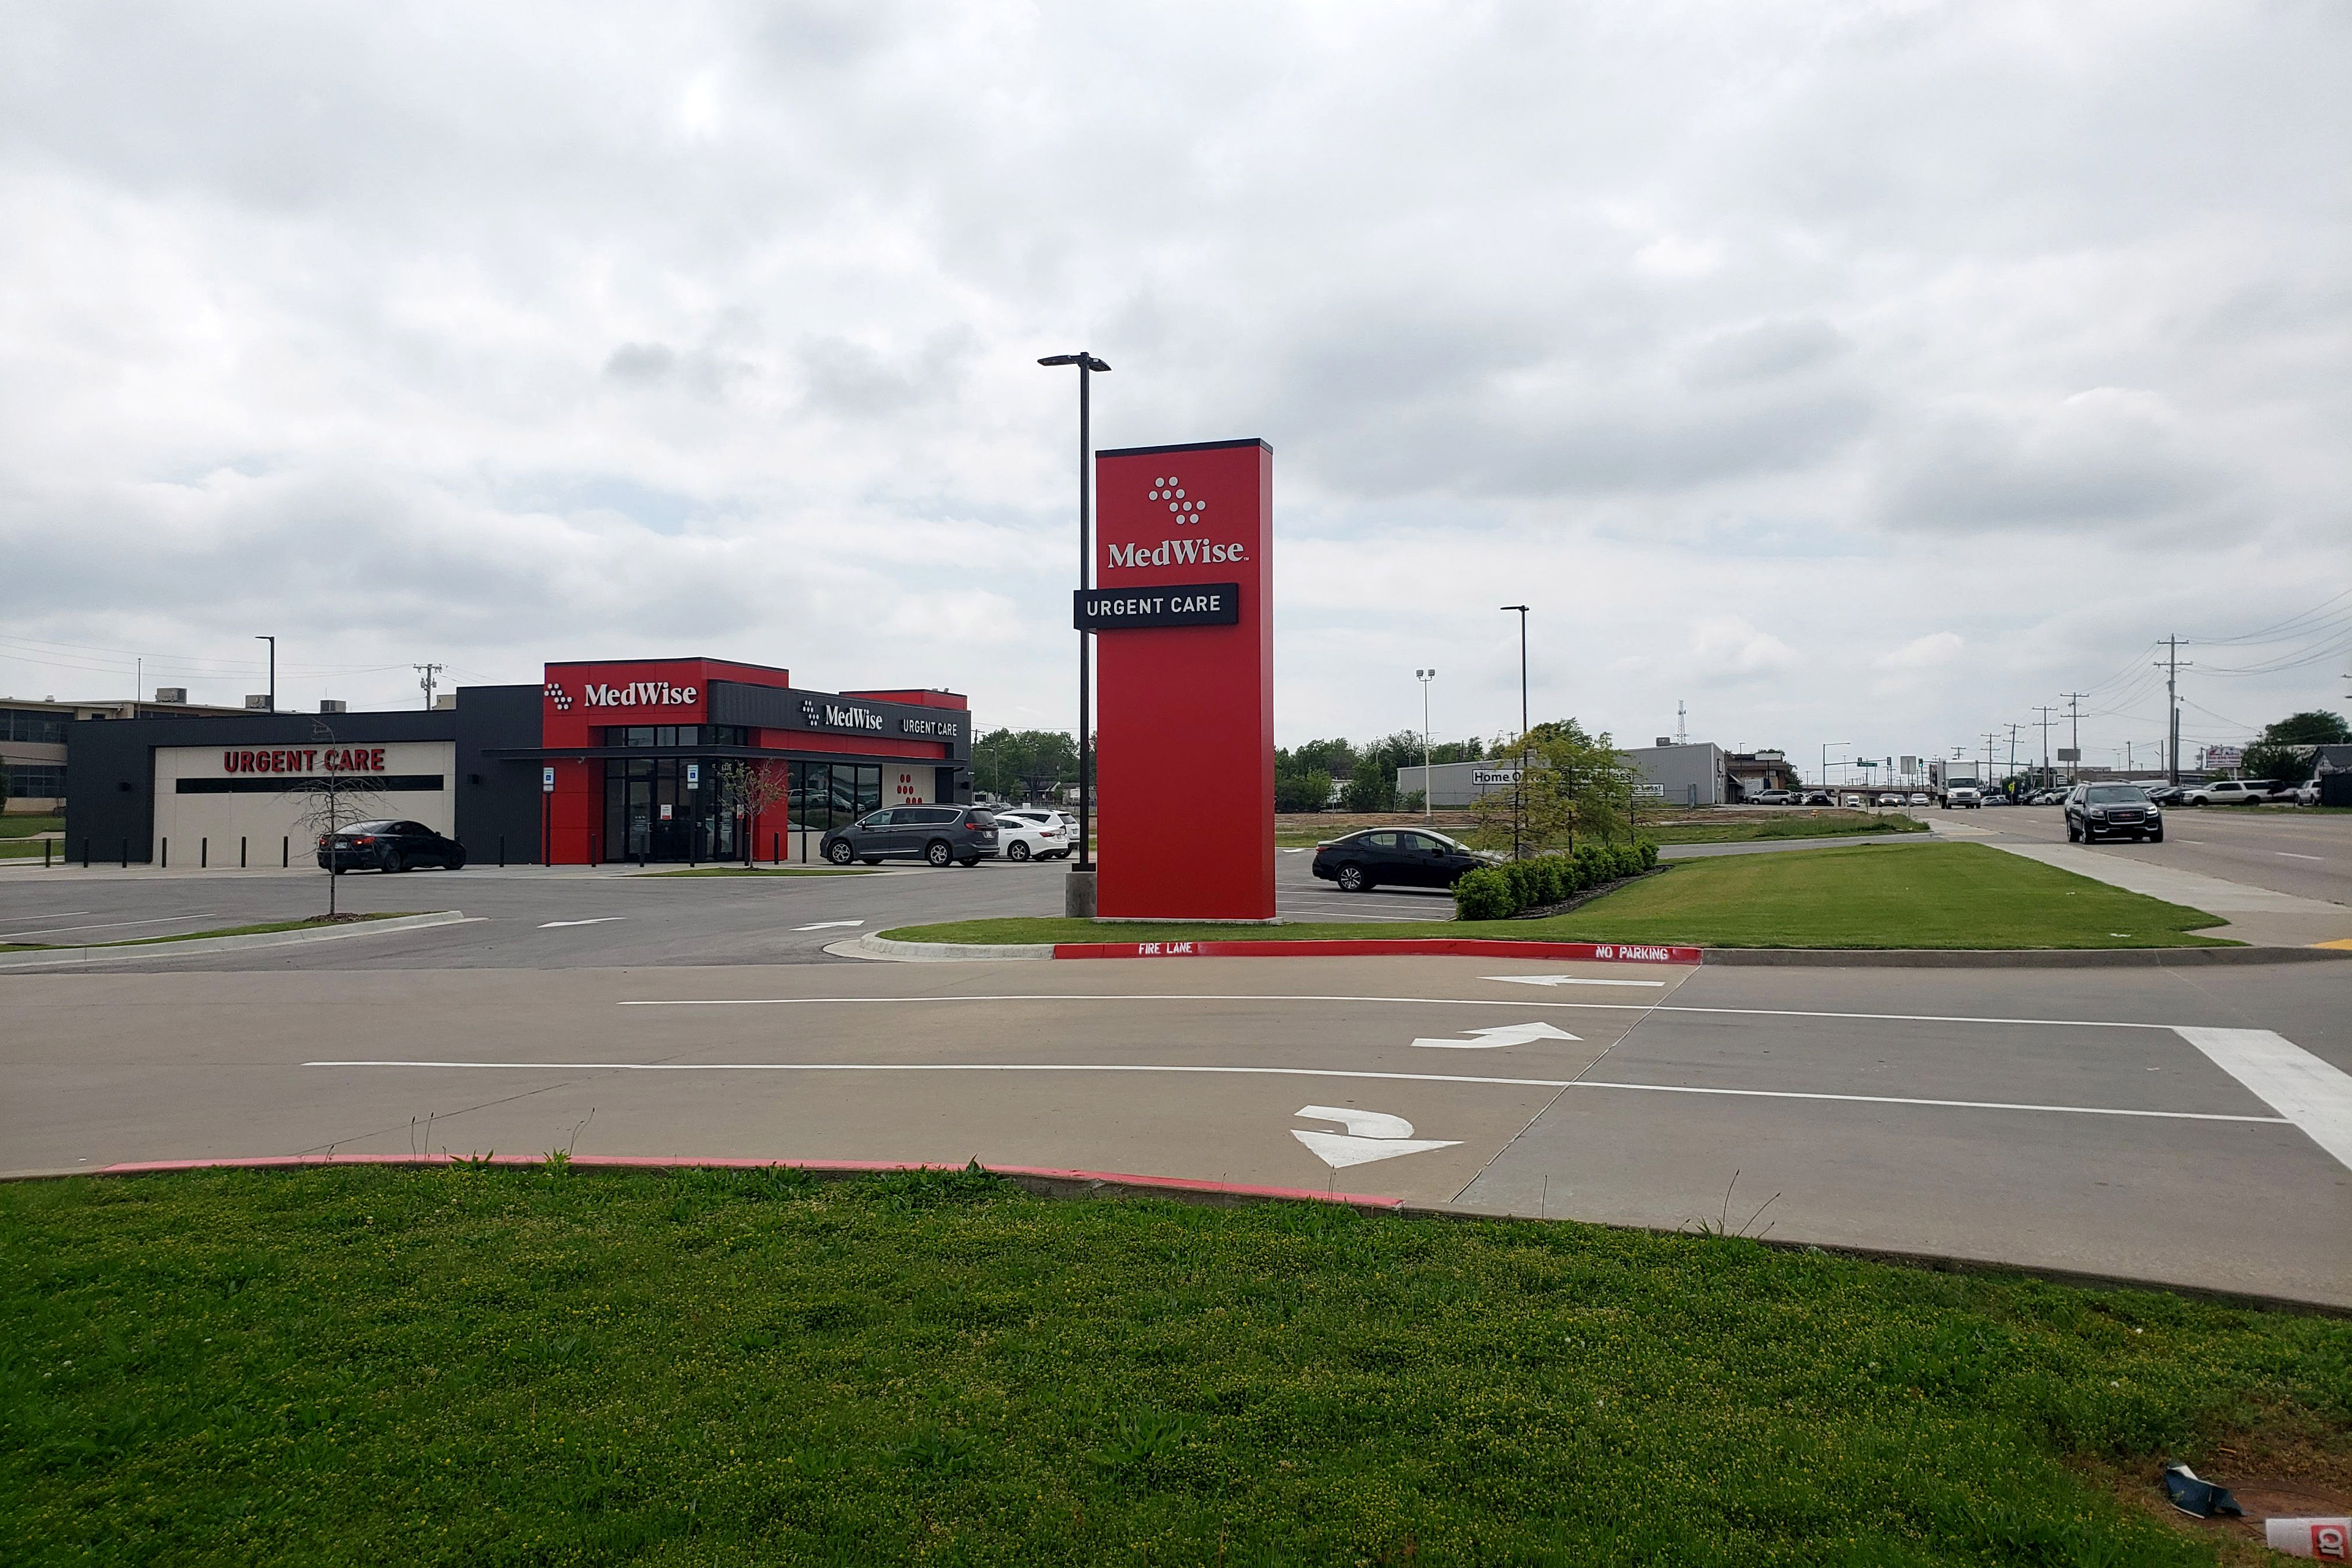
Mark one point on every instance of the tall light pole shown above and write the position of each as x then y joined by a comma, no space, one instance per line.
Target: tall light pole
272,641
1428,785
1079,898
1520,796
1825,760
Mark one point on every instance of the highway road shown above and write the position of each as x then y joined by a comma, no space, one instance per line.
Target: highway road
2305,853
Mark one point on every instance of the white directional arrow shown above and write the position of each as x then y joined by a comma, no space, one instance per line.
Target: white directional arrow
829,925
600,919
1505,1035
1565,980
1370,1135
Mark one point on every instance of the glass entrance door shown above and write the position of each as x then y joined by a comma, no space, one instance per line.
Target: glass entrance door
651,815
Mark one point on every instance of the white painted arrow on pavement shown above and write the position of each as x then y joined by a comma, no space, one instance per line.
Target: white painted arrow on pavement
829,925
600,919
1502,1035
1565,980
1370,1135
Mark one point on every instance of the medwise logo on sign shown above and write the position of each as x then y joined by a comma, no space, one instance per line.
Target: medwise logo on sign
1190,549
639,694
561,698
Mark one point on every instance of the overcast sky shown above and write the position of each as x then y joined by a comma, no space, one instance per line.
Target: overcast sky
1867,374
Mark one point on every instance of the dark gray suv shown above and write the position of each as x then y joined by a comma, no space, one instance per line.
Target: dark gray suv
941,835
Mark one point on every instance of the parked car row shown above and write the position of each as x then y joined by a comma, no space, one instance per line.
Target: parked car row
1832,797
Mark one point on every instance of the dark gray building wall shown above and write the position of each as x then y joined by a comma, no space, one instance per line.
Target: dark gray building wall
497,798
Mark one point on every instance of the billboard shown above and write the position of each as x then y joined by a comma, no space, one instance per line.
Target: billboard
1181,608
2224,756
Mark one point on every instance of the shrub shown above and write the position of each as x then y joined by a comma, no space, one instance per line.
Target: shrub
1551,878
1649,847
1522,875
1484,894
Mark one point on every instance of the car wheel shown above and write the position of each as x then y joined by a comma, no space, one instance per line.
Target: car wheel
969,861
2156,836
1351,879
871,861
1019,851
840,853
2073,833
938,853
456,862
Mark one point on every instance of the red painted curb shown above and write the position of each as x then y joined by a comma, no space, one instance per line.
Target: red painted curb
1463,947
835,1167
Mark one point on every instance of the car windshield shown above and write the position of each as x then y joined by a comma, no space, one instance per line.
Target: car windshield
2117,794
368,828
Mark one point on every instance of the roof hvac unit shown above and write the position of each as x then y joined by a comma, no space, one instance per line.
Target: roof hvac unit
334,705
260,704
170,694
446,702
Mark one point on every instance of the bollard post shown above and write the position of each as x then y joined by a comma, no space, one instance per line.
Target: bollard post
776,850
85,851
240,851
45,854
502,851
286,853
167,856
126,853
204,853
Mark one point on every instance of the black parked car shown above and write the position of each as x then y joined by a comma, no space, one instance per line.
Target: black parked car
1400,857
941,835
2112,808
388,847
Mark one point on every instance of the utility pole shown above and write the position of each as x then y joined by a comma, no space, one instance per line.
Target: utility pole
1519,802
430,670
1428,785
2012,750
2170,665
1991,737
2075,717
2044,722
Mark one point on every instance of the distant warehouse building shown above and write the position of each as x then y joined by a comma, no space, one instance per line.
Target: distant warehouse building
1697,773
1457,784
1691,774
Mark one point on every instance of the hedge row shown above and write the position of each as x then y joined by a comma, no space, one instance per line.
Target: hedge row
1499,892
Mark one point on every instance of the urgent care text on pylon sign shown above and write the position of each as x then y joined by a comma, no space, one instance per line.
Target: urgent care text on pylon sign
1183,613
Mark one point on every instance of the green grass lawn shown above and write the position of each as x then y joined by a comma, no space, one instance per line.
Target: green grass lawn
303,923
25,826
1794,824
1924,895
520,1366
21,848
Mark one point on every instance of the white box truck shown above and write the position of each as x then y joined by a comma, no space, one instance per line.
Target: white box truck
1954,782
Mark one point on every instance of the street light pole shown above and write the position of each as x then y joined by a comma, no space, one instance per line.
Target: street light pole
1825,760
273,668
1520,796
1428,785
1081,889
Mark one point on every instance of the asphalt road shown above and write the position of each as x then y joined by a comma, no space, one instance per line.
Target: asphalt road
2305,853
2053,1119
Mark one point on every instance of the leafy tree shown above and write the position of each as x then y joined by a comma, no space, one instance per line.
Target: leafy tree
1302,791
1572,782
1022,763
2284,752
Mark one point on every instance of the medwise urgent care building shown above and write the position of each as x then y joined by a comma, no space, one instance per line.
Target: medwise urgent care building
601,762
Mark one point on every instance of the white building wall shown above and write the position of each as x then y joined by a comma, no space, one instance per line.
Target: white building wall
263,817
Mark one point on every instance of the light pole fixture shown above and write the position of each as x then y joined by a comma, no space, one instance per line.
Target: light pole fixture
263,637
1428,785
1080,900
1520,796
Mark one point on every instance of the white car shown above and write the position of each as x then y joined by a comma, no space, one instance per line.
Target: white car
1037,835
2225,792
1919,799
2307,793
1856,800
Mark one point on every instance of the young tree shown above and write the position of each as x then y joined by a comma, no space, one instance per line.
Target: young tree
2285,750
1573,783
748,787
327,803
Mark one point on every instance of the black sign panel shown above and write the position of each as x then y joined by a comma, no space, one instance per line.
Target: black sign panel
1162,605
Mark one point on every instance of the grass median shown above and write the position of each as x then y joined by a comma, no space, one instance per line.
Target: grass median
1917,895
767,871
467,1364
308,923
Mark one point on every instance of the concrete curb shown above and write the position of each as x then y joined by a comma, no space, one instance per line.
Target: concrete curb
1055,1182
878,946
51,958
2010,958
945,952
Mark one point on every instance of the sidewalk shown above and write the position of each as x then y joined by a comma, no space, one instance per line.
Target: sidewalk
2255,915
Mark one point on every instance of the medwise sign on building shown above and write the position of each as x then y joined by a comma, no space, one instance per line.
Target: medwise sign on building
1186,670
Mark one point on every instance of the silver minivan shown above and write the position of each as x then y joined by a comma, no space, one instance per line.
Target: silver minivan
937,835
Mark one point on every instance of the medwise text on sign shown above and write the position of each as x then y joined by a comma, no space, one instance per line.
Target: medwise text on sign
1186,676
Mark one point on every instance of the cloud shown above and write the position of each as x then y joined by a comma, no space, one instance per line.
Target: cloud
1746,341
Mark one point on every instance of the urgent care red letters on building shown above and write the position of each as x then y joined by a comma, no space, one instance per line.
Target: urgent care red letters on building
1182,610
309,759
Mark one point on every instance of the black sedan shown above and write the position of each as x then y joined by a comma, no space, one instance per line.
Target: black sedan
1397,857
388,847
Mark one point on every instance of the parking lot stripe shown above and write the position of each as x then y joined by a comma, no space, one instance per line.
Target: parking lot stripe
1417,1001
1553,1083
2306,1090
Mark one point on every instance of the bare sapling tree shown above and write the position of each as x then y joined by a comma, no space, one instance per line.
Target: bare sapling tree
749,788
331,799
